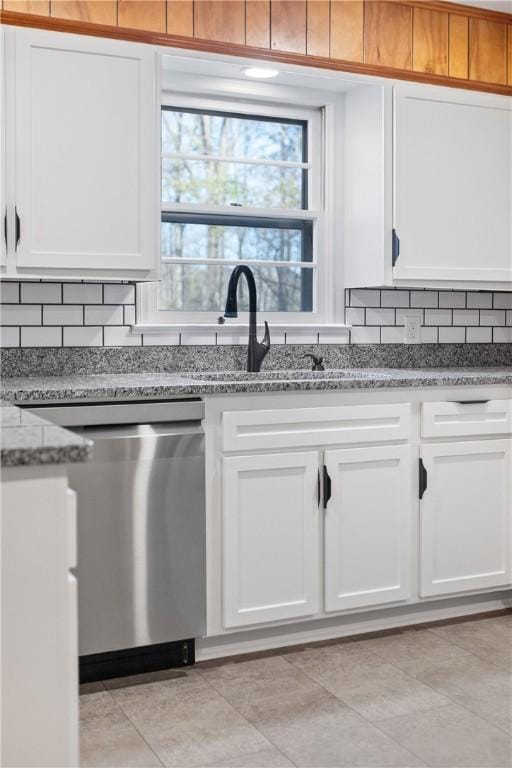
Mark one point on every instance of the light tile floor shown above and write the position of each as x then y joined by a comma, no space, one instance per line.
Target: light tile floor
438,696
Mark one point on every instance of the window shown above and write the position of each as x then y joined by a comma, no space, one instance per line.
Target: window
241,183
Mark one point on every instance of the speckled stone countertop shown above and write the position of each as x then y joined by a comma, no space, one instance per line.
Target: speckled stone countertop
28,440
125,386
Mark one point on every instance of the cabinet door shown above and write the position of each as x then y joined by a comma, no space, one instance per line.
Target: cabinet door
86,155
465,517
367,527
271,538
453,185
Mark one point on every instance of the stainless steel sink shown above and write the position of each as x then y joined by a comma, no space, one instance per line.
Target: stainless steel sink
293,375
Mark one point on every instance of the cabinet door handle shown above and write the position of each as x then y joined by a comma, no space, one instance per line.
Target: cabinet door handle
471,402
17,229
5,227
327,487
318,489
423,478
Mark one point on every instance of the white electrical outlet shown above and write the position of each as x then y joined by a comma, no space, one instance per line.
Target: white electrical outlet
412,329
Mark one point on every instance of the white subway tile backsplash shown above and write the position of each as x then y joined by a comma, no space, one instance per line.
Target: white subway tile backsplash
118,294
380,316
479,300
429,335
161,340
354,315
365,335
438,317
120,336
452,335
41,337
502,300
9,292
466,317
9,337
364,297
452,299
83,336
502,335
479,335
392,335
19,314
41,293
129,314
82,293
104,314
52,313
424,299
63,315
396,298
492,317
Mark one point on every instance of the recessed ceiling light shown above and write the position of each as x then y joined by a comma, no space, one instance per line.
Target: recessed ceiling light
260,73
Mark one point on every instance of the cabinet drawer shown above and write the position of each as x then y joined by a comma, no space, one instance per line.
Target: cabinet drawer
302,427
466,418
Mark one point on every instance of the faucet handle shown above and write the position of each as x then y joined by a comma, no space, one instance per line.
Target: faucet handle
317,362
265,342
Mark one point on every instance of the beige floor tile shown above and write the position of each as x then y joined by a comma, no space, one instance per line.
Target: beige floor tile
451,737
342,655
491,639
248,681
472,682
268,758
188,723
108,738
368,684
315,729
412,645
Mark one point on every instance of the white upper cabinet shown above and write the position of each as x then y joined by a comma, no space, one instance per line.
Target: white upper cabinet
453,186
435,165
85,134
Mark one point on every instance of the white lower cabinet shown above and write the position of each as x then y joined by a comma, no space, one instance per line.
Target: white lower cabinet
465,516
271,537
367,526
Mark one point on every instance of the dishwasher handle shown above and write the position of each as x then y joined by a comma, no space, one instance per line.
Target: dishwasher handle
102,414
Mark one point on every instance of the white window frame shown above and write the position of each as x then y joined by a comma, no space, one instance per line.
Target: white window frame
323,118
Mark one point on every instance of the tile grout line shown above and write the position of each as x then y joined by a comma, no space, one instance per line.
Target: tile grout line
146,742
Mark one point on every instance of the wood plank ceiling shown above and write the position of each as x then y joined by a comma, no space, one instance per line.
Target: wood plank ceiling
433,38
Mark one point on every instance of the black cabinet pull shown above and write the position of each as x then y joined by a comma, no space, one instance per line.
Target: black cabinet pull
17,229
422,479
319,485
471,402
327,487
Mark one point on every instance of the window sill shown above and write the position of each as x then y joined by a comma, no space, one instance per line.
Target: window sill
236,333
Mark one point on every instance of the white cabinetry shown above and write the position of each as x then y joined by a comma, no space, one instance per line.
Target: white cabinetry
367,526
274,534
39,659
465,516
435,165
83,128
270,537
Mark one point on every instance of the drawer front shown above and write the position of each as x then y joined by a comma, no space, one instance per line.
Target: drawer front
303,427
466,418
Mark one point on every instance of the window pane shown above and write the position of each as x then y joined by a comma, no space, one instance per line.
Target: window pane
217,183
206,133
243,242
191,287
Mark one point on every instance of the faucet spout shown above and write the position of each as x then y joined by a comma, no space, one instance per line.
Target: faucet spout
256,350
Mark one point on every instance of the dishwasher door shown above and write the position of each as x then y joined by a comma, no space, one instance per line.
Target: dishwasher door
141,536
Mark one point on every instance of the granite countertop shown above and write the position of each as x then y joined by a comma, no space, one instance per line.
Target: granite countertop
28,440
127,386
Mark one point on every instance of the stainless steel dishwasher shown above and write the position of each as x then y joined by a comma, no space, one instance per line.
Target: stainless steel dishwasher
141,533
